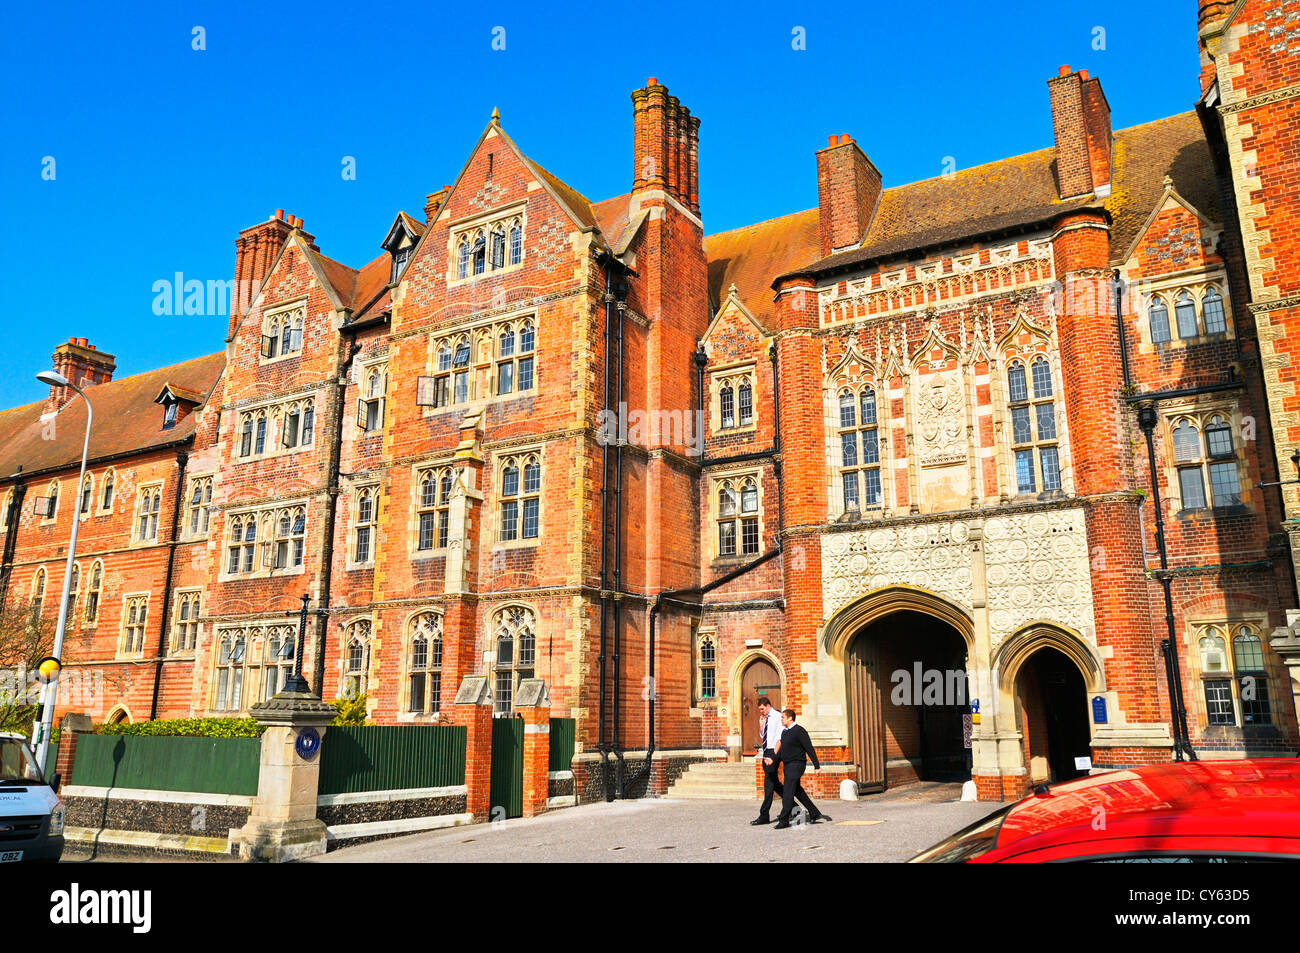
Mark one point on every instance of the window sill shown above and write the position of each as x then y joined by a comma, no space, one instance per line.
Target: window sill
532,543
479,402
426,554
723,562
1212,512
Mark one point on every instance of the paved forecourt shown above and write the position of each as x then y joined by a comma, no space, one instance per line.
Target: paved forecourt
666,830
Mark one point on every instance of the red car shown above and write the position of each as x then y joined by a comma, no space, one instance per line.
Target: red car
1181,812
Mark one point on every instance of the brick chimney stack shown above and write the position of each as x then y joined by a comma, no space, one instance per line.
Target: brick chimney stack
434,202
1210,14
665,144
1081,128
82,365
255,251
848,192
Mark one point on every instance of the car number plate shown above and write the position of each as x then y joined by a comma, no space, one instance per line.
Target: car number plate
10,856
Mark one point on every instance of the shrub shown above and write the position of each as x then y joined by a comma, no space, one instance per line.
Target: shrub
192,727
351,711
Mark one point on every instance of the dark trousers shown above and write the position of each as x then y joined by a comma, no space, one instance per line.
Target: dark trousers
771,783
793,789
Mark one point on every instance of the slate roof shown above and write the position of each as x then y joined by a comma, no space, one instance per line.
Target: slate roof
126,419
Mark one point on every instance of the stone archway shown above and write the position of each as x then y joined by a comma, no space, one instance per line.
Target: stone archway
118,715
1045,675
743,669
909,641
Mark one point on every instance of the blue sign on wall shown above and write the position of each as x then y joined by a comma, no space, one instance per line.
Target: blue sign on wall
307,743
1098,710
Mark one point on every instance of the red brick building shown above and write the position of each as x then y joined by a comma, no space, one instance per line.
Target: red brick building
880,459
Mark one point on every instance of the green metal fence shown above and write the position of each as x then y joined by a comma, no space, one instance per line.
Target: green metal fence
564,734
391,758
168,763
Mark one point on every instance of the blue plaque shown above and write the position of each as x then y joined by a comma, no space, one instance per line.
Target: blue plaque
1098,710
975,706
307,744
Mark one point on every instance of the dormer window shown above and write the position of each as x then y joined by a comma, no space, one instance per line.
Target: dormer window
176,402
399,262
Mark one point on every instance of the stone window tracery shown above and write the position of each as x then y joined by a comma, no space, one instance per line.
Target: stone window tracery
1034,436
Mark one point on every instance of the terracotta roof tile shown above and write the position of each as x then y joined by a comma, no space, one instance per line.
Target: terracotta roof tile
126,419
578,203
752,256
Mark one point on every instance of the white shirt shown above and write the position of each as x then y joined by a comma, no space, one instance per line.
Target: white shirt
772,729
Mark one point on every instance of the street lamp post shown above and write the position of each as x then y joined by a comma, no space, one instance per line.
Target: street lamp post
1147,418
49,690
295,682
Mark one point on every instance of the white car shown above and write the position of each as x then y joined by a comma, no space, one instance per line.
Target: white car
31,814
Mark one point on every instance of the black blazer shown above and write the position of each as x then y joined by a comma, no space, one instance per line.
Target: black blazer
797,746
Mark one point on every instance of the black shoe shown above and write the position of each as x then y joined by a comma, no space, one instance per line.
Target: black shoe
758,821
819,817
781,825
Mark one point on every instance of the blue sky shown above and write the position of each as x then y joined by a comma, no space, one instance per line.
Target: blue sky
163,152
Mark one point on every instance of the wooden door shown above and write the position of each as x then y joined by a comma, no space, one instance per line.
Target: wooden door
866,717
760,680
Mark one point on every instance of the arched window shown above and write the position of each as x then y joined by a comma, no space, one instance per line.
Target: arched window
1033,428
1214,655
1216,320
364,528
259,440
708,665
1158,319
93,591
498,246
738,531
134,619
1213,462
290,538
147,509
106,493
1042,375
462,258
200,505
745,403
516,242
516,653
74,584
1218,690
424,664
859,450
480,253
370,406
291,429
1252,677
231,651
278,663
243,538
87,495
726,398
1185,314
506,361
434,509
520,506
38,593
246,436
356,659
48,507
1016,384
185,633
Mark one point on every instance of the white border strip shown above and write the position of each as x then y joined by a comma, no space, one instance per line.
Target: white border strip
408,794
405,825
145,794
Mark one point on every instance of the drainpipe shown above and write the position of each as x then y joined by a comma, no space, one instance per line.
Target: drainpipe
604,530
621,293
1119,326
331,514
11,533
182,460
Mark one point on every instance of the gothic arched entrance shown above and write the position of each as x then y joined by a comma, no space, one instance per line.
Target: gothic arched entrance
908,696
760,679
1052,716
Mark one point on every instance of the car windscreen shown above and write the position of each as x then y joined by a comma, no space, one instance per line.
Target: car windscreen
17,763
979,838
